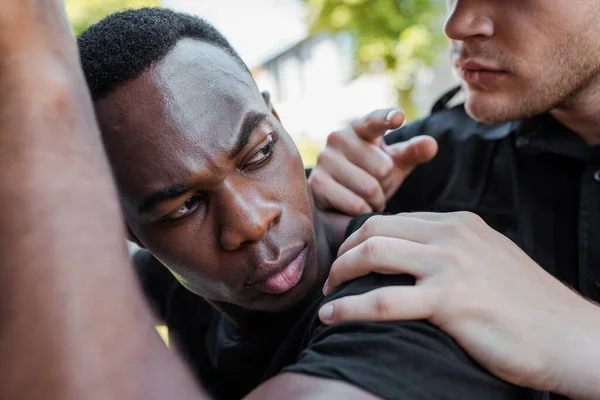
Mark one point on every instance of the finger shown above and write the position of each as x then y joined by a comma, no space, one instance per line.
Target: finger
392,303
414,151
329,194
366,155
353,178
377,123
382,255
406,156
394,226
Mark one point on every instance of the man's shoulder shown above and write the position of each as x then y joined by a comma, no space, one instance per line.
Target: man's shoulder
392,360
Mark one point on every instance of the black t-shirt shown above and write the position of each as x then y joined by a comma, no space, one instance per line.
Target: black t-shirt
393,360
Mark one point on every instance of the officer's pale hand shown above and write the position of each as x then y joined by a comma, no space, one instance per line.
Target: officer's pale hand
508,313
356,172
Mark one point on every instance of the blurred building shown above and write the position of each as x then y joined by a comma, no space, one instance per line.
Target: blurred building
310,78
314,91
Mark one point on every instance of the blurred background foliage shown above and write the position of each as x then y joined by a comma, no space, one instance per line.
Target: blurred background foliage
396,37
83,13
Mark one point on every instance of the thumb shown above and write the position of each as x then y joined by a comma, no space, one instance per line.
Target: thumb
417,150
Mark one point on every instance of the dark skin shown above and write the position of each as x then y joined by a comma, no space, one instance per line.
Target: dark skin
211,183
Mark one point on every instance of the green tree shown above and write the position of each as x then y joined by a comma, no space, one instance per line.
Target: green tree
83,13
395,36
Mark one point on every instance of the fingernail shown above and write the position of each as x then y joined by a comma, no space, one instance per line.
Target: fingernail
391,114
326,313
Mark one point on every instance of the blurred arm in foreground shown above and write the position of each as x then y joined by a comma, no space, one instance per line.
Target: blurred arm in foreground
62,311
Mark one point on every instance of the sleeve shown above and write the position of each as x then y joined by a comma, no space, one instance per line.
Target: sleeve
397,360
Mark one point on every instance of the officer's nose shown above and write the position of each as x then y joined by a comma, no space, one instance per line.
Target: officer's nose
467,20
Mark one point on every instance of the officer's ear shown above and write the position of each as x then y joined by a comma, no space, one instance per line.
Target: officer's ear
267,97
132,238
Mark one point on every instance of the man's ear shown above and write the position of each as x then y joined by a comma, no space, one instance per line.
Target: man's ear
267,97
132,238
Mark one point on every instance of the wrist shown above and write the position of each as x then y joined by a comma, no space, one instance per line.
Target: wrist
577,354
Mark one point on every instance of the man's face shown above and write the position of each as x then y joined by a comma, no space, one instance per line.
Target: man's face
519,58
211,183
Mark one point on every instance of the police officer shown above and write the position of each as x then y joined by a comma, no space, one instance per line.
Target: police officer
521,156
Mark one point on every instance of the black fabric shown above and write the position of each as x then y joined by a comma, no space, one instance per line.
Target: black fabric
393,360
403,360
229,363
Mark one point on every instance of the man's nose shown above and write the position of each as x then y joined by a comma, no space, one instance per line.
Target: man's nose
468,19
245,214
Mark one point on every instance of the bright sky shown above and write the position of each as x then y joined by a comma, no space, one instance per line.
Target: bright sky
257,29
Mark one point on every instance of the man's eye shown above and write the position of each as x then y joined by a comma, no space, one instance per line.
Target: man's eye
263,154
185,209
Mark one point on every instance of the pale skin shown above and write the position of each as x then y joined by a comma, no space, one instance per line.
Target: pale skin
75,326
463,268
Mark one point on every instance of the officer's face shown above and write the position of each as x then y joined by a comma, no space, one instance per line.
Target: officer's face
519,58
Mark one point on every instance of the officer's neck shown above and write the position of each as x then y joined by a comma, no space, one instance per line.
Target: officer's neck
581,113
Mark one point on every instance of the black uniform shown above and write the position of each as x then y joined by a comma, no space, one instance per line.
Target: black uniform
533,180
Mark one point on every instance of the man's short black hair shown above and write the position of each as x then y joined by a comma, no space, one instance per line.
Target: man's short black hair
123,45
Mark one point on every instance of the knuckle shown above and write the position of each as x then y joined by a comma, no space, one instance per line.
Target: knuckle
371,188
453,258
468,218
383,169
335,139
324,158
316,179
356,207
461,230
383,305
368,228
371,247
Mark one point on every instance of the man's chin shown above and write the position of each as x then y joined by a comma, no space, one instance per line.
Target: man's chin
499,107
492,111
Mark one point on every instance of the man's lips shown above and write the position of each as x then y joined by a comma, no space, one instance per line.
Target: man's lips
277,279
478,74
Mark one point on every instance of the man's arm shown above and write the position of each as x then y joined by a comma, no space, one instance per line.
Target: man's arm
72,326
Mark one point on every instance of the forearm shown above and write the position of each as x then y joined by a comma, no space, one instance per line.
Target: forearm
73,326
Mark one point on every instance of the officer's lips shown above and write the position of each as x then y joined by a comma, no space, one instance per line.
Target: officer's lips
478,74
282,275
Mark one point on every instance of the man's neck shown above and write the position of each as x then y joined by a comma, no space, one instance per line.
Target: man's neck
581,113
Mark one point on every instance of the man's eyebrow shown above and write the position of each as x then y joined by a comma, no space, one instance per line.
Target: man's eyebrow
161,195
250,123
